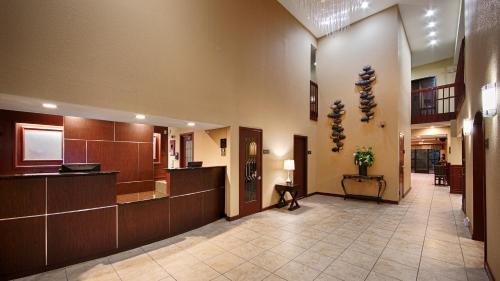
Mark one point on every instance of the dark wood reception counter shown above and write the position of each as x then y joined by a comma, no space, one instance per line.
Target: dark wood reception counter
197,196
54,220
50,220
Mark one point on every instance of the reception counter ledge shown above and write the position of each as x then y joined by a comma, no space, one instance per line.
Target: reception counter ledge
53,220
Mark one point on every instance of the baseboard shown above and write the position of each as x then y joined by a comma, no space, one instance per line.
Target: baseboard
406,193
488,271
228,218
342,196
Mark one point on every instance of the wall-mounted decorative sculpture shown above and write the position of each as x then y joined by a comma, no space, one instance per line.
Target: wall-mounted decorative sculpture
366,94
337,129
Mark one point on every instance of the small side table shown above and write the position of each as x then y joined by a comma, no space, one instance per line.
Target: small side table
382,185
291,188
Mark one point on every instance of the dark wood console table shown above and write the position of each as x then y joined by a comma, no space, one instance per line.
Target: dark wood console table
293,189
382,184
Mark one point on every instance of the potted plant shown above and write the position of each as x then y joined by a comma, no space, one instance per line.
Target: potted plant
364,158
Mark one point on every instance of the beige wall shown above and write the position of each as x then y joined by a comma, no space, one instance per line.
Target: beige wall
482,61
235,63
377,41
404,56
444,70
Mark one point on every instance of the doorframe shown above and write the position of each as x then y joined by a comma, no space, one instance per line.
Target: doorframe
306,167
478,179
463,176
182,148
401,166
240,171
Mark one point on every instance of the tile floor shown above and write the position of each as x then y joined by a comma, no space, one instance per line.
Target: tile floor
422,238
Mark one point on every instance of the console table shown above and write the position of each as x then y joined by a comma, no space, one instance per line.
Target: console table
293,189
382,184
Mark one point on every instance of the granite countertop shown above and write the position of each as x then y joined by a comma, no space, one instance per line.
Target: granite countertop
43,175
139,196
192,168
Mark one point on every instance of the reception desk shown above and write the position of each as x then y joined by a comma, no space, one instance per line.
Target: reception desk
197,197
51,220
54,220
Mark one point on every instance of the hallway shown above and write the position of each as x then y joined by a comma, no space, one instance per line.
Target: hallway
423,238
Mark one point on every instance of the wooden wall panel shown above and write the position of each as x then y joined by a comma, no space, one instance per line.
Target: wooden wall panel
213,205
132,187
145,169
75,151
22,197
72,237
8,119
455,179
133,132
186,181
80,192
22,246
126,160
101,152
88,129
186,213
143,222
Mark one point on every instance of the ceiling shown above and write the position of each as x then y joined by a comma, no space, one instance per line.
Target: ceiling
20,103
414,20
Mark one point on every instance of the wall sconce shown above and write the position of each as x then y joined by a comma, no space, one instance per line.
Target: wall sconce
467,126
489,99
223,146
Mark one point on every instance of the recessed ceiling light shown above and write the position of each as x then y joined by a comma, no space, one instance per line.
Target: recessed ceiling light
432,33
431,24
430,13
433,42
364,5
140,116
49,105
191,124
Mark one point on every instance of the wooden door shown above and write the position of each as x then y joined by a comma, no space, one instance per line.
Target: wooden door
300,158
187,149
250,171
478,179
462,182
401,166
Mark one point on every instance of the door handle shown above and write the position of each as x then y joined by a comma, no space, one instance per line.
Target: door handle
259,178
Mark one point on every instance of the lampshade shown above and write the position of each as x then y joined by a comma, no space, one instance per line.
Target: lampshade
489,99
468,124
289,165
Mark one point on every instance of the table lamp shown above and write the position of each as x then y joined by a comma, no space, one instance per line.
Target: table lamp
289,165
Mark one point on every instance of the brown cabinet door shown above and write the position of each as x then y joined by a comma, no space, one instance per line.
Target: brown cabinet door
300,158
250,171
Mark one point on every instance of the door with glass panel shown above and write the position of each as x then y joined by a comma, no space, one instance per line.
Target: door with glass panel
187,149
250,171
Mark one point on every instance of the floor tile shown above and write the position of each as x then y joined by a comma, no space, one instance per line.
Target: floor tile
395,270
247,272
269,261
224,262
345,271
314,260
296,271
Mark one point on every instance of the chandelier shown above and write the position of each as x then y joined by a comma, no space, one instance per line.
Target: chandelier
330,16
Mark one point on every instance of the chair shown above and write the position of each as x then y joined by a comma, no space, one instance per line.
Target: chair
440,175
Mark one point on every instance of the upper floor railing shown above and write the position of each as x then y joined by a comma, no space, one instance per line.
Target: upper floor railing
436,104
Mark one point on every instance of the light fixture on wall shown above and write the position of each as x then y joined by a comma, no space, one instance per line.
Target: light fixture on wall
289,165
191,124
489,99
49,105
140,116
467,126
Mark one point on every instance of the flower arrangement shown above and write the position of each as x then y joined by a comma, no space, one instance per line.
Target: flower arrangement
364,157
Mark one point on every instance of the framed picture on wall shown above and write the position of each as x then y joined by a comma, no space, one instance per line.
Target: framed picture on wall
171,148
156,148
